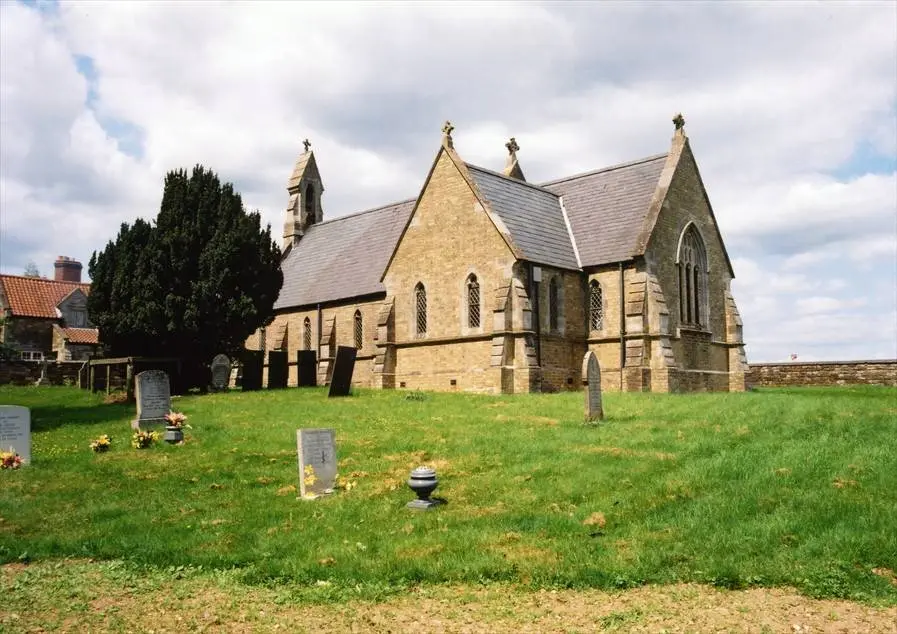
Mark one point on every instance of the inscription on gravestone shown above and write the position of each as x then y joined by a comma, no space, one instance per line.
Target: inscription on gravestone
153,394
220,372
591,375
15,430
277,369
253,366
316,449
307,362
343,368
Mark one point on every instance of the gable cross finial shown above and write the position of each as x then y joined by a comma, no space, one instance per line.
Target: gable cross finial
512,146
679,121
307,144
447,133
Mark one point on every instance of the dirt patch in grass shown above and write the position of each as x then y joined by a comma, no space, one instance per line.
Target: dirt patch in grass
631,453
215,605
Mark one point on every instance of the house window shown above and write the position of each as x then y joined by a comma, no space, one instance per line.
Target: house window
32,355
359,331
420,309
596,306
553,304
306,334
692,260
473,302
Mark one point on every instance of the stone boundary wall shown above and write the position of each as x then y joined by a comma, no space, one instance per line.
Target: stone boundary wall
820,373
28,372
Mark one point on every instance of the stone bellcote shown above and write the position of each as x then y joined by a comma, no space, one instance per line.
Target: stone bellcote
305,189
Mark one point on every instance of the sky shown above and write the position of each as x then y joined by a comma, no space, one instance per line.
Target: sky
790,107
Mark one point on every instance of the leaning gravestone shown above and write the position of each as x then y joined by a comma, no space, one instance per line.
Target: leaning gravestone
316,449
307,363
220,372
253,368
278,369
15,431
153,395
591,374
343,368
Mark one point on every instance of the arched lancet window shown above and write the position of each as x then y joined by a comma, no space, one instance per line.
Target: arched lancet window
692,278
306,334
420,309
310,203
596,306
359,331
553,304
473,301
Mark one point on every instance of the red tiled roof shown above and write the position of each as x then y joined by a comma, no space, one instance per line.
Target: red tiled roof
35,296
81,335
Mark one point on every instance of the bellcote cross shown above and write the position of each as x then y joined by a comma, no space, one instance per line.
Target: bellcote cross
679,121
512,146
307,144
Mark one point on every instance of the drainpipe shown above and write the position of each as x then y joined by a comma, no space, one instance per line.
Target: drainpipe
622,322
536,316
318,342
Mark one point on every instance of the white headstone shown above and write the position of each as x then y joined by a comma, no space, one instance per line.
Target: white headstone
220,372
591,374
153,394
15,430
317,461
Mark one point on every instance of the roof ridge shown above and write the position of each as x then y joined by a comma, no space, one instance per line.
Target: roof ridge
647,159
366,211
513,180
42,279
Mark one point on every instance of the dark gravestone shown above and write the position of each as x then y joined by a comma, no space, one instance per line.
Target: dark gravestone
591,375
220,372
307,362
253,365
342,371
277,369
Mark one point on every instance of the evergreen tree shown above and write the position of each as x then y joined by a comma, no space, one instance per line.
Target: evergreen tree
198,282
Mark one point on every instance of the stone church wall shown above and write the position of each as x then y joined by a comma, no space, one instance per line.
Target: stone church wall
820,373
695,350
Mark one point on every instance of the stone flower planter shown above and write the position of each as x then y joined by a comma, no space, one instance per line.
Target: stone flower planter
423,482
173,435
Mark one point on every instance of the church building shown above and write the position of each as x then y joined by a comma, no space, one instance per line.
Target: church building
485,282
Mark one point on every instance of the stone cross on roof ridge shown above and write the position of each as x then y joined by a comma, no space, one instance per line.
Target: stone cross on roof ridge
447,134
512,146
679,121
307,144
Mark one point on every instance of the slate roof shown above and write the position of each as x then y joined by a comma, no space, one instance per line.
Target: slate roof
342,258
81,335
607,208
532,215
36,296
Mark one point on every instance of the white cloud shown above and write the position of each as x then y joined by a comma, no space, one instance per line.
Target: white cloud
777,99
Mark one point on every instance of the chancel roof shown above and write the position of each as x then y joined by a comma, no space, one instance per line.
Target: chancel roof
579,221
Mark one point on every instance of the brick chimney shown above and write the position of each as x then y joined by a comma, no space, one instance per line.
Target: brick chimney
67,269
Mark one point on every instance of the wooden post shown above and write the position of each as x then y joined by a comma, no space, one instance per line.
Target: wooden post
108,378
92,377
129,380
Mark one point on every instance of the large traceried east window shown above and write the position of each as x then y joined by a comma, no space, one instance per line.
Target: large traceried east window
553,304
359,331
306,334
473,302
692,261
596,306
420,309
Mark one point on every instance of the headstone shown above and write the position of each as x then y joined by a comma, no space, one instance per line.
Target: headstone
307,363
220,372
343,368
278,369
316,449
153,394
44,379
253,367
15,430
591,375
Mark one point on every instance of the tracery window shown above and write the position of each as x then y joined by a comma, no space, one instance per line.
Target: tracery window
306,334
359,331
473,301
692,278
553,304
596,306
420,309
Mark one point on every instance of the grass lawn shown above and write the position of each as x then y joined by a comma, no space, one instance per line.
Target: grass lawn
772,488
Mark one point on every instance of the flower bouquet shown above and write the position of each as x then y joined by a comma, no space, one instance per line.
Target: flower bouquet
144,439
10,459
101,444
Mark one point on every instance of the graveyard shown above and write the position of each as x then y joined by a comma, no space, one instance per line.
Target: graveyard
776,488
